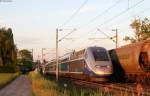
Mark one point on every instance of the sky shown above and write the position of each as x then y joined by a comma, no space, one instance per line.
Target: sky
34,23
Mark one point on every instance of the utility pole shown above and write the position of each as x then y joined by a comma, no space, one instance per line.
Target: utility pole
42,54
116,30
38,65
111,38
57,66
57,53
32,53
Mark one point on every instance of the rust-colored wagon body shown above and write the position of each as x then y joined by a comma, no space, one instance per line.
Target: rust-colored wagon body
134,60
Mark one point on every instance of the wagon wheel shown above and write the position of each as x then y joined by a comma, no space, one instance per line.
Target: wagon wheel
147,79
141,80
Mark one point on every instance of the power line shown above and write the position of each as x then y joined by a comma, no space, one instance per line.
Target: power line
83,42
67,35
101,14
74,14
116,16
71,43
93,19
105,34
126,10
124,19
142,11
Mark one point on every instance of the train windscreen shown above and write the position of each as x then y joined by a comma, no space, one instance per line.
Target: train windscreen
100,55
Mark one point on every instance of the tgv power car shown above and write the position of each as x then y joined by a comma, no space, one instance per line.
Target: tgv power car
91,63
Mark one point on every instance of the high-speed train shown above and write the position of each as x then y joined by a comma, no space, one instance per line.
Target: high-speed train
91,63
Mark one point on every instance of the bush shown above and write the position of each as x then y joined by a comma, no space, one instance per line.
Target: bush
6,78
7,69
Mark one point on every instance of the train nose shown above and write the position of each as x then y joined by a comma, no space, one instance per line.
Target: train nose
103,69
97,66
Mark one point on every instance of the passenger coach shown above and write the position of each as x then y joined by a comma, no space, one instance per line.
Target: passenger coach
91,64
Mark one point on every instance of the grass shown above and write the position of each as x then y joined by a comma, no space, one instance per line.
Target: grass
6,78
44,86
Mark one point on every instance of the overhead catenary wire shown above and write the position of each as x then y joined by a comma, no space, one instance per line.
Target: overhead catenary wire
109,37
116,16
121,13
101,14
124,19
74,14
66,35
93,19
69,19
90,21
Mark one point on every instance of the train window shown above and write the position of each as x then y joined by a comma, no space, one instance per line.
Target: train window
100,55
78,69
64,67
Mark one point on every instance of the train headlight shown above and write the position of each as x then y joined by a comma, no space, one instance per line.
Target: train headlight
99,72
103,73
97,66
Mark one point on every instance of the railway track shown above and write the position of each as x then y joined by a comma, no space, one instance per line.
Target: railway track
119,89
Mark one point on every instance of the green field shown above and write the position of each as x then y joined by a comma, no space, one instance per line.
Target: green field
43,86
6,78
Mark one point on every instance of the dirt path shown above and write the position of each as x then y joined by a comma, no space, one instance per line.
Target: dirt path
19,87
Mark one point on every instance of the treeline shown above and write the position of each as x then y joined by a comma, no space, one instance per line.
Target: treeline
12,60
141,29
25,61
8,51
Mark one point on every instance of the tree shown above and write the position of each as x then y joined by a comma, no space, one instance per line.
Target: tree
8,50
141,30
25,60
